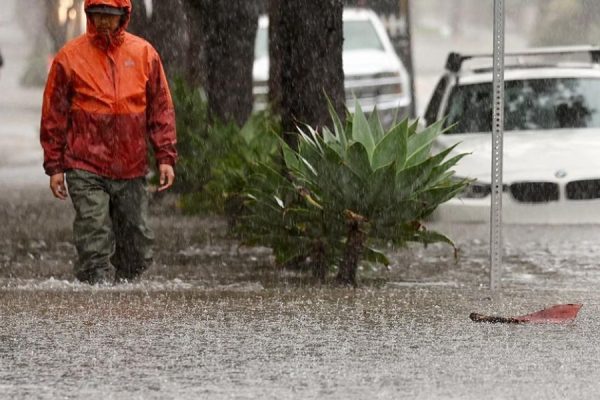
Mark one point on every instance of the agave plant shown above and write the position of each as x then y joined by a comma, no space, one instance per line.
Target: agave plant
347,190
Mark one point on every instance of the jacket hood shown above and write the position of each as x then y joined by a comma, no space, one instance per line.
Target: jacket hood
116,38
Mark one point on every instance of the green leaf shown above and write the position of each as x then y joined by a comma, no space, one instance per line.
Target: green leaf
373,255
309,139
309,166
329,137
361,132
412,129
419,145
290,157
380,191
429,237
431,198
391,148
375,125
337,124
316,137
440,172
412,179
332,142
357,160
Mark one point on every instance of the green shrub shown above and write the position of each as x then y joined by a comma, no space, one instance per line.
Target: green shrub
344,192
214,157
193,135
256,142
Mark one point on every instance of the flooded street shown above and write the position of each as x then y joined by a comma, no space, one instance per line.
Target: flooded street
214,320
241,343
190,344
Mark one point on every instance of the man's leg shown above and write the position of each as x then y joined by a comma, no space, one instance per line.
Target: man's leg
133,236
92,228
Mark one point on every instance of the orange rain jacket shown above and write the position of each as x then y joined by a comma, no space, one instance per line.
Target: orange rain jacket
104,99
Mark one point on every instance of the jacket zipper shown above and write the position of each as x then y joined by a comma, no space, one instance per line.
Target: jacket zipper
114,76
115,88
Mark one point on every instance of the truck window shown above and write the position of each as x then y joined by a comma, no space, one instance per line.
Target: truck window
361,35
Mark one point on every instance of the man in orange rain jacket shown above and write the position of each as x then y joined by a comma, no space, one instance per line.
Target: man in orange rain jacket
105,99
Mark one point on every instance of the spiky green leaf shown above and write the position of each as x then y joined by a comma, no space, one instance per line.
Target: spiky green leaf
419,145
376,256
375,125
392,147
361,132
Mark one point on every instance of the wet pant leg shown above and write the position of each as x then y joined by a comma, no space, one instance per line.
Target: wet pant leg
133,236
92,229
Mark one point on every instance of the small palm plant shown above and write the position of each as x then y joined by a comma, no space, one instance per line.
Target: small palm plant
342,193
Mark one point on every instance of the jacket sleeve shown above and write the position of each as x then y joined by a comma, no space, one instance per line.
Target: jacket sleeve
55,118
160,115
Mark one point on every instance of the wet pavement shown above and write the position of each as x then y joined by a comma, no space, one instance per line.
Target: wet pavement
242,343
215,320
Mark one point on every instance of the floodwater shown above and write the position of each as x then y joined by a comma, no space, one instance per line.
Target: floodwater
213,320
289,344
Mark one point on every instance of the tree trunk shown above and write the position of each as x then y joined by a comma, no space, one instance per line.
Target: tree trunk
169,34
319,261
229,30
275,55
309,39
139,24
196,52
354,249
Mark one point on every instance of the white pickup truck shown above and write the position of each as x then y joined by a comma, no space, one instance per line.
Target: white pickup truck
374,74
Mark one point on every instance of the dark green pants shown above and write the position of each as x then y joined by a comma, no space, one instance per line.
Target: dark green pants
111,229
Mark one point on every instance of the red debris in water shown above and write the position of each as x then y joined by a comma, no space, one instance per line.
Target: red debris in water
556,314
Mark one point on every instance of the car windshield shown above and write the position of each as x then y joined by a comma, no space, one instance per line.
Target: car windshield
261,46
534,104
358,35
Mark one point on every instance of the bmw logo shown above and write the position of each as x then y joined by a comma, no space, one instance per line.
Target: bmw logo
561,173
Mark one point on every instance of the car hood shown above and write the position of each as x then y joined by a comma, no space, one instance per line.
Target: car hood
260,71
549,155
369,62
356,63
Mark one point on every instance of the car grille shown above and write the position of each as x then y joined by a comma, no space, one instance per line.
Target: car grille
371,87
535,192
583,190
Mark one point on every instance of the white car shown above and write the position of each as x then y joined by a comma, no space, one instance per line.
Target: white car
551,163
374,74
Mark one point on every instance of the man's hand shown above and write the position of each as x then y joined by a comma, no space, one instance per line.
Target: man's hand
57,185
167,176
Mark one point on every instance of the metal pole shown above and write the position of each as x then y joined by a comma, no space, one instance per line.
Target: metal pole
497,133
405,10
